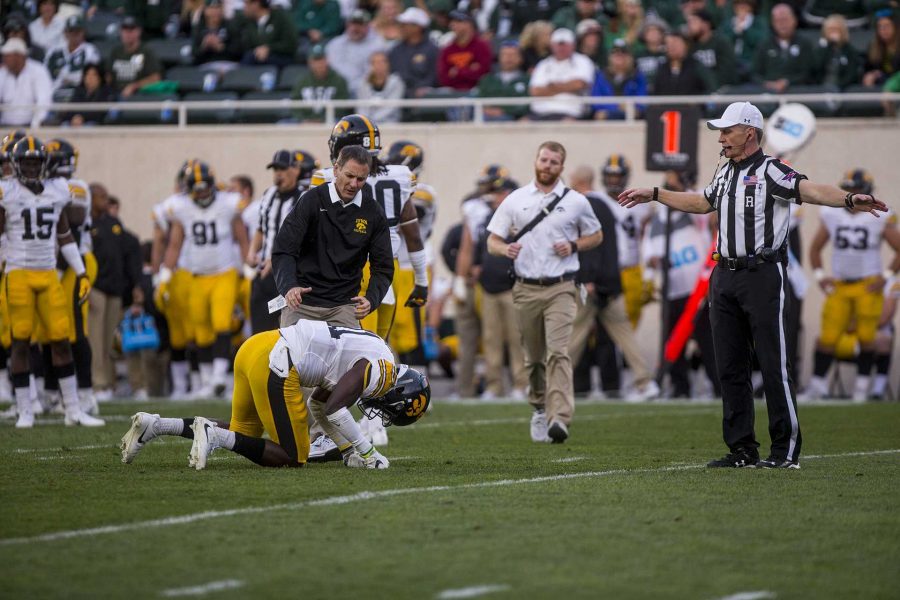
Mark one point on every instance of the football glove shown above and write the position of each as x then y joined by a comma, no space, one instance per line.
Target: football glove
84,289
418,297
161,296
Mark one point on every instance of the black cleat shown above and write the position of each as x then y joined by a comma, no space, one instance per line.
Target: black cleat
558,432
738,459
778,463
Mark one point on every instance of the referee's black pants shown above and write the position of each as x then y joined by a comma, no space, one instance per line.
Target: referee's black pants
262,290
748,309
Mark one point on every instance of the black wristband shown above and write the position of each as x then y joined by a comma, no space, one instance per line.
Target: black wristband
574,246
848,201
656,194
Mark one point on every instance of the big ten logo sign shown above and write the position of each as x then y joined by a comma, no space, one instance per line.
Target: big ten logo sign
672,138
789,127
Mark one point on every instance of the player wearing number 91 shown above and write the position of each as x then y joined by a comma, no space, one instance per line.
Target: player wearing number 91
34,220
341,363
855,288
206,223
392,187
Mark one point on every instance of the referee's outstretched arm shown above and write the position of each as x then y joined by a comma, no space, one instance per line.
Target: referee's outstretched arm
692,202
829,195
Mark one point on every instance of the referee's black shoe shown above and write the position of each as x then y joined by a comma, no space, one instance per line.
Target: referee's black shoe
740,458
778,463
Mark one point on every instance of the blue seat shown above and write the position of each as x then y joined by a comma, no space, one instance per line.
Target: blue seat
250,79
225,113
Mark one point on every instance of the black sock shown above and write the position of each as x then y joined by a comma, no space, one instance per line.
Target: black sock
81,352
204,355
249,447
864,362
221,348
178,355
882,363
821,363
193,358
4,357
186,431
51,381
62,371
20,380
36,360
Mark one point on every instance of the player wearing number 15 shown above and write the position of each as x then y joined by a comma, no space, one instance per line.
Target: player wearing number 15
32,217
206,223
855,288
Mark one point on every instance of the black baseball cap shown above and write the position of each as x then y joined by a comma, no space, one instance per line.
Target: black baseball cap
129,22
283,159
74,23
317,51
359,16
461,15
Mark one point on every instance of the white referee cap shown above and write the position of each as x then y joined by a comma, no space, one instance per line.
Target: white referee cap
738,113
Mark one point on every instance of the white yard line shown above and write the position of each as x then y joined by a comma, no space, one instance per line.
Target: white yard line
761,595
471,592
569,459
359,497
60,449
206,588
626,415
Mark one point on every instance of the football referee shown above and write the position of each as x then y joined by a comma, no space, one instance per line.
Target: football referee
748,291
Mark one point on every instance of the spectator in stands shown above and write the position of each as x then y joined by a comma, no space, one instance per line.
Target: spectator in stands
837,62
630,22
563,75
47,30
667,11
191,16
16,26
710,49
784,59
465,60
380,84
651,49
590,41
268,37
154,17
385,22
132,65
512,16
216,39
415,58
854,12
746,31
568,17
318,20
535,43
620,78
883,57
93,88
508,81
66,62
105,7
23,81
349,53
321,83
680,74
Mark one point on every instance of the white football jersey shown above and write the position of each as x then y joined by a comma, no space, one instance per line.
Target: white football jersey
162,213
628,229
81,197
31,222
392,190
855,241
323,353
426,207
208,236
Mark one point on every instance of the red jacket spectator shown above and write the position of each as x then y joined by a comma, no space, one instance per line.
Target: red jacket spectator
462,63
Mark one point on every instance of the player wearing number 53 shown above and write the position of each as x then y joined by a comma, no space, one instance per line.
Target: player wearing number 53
323,245
752,194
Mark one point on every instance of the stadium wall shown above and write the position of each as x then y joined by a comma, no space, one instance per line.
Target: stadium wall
139,164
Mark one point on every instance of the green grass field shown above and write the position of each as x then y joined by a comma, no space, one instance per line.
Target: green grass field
469,508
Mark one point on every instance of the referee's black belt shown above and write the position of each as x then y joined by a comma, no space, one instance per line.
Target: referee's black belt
771,255
547,281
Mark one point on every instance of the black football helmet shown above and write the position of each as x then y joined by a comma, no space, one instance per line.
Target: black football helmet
29,160
404,404
6,146
183,172
62,158
406,153
615,174
858,181
354,130
200,182
489,174
308,164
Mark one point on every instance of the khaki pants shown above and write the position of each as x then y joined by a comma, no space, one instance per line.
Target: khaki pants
545,316
147,370
615,321
501,331
105,314
342,316
468,329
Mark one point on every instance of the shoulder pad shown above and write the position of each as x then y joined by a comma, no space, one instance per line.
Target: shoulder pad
321,176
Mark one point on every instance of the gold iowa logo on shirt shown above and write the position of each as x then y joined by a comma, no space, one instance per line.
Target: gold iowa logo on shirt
361,226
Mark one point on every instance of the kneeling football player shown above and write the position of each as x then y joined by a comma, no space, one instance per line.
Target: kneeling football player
342,364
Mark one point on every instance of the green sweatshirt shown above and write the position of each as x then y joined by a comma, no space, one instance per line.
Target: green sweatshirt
717,55
492,86
332,87
324,17
278,34
795,62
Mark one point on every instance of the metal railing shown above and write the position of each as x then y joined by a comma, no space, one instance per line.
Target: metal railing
475,105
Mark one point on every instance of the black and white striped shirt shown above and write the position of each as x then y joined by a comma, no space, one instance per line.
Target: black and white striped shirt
274,209
752,198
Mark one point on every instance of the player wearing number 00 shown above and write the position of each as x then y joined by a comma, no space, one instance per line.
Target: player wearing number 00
855,288
206,222
340,363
